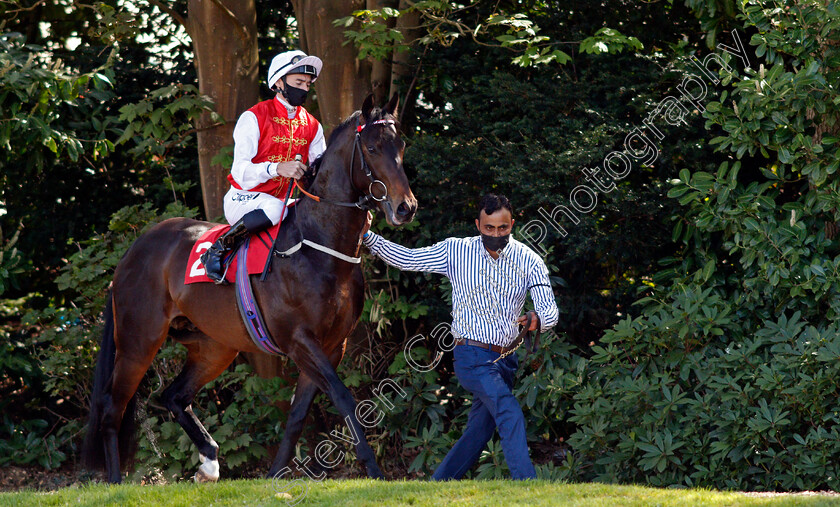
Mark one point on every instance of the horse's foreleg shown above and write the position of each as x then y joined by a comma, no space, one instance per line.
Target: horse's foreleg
315,364
305,392
206,360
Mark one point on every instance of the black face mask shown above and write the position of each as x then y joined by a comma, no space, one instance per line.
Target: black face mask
495,243
295,96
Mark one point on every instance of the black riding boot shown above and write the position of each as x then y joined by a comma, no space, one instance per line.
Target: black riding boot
252,222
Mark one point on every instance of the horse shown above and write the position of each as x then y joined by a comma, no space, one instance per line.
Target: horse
311,302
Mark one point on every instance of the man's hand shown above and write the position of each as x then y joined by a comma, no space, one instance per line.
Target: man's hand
368,221
291,169
535,321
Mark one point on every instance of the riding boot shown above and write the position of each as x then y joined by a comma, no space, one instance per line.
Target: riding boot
253,222
212,258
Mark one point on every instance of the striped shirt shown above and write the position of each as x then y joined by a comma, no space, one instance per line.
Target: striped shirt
487,294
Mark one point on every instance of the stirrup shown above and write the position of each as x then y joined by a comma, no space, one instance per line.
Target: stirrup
220,281
212,274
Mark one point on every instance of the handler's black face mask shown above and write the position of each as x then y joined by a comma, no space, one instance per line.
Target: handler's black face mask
295,96
495,243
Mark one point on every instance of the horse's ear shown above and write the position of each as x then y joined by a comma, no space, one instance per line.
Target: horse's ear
393,104
367,107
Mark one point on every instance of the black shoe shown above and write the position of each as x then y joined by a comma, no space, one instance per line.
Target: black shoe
212,258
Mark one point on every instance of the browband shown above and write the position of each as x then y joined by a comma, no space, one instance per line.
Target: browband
383,122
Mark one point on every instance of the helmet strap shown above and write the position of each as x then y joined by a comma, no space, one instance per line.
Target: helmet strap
285,89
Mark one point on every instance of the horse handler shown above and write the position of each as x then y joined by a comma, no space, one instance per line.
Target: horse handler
490,275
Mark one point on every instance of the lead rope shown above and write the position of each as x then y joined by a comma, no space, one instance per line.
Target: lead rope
521,338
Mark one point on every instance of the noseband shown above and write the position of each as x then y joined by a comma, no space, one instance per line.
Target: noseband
367,200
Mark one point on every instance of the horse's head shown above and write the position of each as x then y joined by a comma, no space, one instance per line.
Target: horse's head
382,149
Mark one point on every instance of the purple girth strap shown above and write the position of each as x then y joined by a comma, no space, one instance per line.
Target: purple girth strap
248,308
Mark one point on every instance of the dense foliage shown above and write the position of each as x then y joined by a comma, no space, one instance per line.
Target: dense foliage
728,376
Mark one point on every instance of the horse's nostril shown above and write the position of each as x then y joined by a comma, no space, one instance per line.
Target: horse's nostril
404,210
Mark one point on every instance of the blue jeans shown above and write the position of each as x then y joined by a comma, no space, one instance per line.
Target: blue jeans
493,406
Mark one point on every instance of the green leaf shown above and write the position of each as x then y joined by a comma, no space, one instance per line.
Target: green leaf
784,155
50,143
708,269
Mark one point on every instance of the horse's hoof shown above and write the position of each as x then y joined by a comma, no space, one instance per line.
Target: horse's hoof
208,471
202,476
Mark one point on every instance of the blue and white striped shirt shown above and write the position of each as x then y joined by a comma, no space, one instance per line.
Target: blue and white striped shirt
487,294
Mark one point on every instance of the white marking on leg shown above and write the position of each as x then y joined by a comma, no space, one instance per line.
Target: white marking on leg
208,471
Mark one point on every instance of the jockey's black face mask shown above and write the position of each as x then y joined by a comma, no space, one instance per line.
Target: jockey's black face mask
495,243
295,96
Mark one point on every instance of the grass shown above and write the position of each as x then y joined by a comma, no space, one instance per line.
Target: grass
365,492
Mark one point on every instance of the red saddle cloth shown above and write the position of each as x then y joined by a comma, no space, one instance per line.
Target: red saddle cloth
261,244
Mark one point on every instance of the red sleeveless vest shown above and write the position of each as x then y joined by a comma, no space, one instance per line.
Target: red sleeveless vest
281,139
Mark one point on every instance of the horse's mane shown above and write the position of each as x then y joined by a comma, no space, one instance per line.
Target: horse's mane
315,165
343,126
375,114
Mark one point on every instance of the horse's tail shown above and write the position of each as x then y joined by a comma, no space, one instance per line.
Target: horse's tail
93,448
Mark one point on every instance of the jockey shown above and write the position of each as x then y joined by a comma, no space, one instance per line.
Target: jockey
267,139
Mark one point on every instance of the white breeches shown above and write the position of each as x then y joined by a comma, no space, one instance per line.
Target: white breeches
240,202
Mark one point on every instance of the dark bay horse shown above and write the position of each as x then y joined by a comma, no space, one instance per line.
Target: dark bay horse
311,302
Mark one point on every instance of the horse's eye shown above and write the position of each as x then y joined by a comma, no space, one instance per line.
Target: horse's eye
371,149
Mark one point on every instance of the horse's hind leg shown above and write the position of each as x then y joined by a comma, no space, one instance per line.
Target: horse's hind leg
131,338
130,365
206,360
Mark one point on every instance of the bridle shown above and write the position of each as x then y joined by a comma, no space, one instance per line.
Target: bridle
367,200
364,202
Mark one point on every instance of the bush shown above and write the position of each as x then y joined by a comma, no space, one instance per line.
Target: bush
727,379
713,408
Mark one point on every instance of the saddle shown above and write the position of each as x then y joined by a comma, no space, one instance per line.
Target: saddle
261,245
249,258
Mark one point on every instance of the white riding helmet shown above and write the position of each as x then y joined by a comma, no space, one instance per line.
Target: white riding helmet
293,62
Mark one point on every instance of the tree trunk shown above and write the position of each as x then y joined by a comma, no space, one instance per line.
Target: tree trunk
224,37
380,72
344,81
403,67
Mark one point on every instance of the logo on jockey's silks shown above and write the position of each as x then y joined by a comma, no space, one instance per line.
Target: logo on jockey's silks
291,123
289,140
237,197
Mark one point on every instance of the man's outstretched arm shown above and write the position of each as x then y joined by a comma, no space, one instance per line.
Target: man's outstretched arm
431,259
